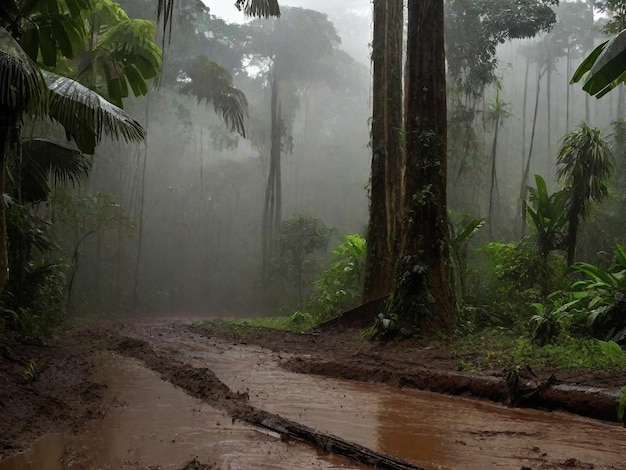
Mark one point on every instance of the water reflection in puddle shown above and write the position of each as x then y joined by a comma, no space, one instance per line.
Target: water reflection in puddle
430,430
153,425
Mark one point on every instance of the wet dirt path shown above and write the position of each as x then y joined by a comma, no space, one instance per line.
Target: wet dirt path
429,430
150,424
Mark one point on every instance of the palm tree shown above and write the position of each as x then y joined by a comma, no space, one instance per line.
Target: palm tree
585,163
254,8
25,90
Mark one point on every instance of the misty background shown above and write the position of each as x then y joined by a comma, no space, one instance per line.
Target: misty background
174,225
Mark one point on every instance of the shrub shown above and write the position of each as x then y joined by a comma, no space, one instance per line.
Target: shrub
511,277
340,286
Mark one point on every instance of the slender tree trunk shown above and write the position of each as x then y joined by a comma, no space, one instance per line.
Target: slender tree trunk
524,185
572,231
494,177
567,86
524,113
387,150
4,243
140,221
422,296
549,105
272,209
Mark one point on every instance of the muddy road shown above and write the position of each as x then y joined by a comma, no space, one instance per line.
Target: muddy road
169,395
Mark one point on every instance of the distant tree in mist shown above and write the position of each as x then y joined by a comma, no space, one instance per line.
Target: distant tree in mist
299,238
294,49
473,32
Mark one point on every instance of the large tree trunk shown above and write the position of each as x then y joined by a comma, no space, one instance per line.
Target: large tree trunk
422,296
387,152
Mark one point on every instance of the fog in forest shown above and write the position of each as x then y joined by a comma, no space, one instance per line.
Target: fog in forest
175,224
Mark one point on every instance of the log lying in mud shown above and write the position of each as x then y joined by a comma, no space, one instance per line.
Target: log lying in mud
202,383
326,443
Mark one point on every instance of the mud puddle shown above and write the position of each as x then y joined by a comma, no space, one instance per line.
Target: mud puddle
150,424
429,430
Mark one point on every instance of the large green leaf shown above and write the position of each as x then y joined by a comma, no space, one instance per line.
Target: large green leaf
605,67
87,116
22,87
42,160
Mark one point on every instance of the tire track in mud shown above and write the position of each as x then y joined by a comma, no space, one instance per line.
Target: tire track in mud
202,383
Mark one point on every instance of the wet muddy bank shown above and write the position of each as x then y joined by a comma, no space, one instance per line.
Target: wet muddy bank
591,402
341,354
44,389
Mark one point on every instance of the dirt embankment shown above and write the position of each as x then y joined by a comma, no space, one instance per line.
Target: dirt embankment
406,363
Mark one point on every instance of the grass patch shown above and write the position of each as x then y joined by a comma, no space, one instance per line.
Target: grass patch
242,328
495,348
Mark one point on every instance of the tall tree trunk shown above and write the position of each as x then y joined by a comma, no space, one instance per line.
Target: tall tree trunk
140,221
524,106
572,230
567,86
4,243
494,177
548,99
387,150
272,206
422,295
524,185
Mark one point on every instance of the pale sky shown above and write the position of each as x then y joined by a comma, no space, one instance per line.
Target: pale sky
352,19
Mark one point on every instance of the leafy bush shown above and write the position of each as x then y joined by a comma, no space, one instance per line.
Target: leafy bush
511,277
568,353
603,292
341,285
302,239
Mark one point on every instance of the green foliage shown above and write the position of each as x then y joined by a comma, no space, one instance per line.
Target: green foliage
30,370
474,30
545,324
300,242
603,291
567,354
341,285
460,236
548,215
511,277
603,69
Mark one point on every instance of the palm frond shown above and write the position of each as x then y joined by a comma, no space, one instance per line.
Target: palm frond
22,86
87,116
64,165
233,106
209,82
259,8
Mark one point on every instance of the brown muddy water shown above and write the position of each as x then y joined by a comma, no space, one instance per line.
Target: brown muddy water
153,425
430,430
